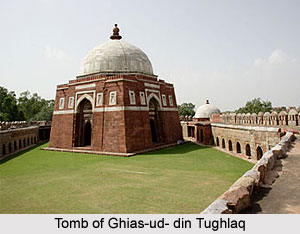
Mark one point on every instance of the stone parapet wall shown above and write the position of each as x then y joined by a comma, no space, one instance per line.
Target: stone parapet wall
251,141
281,119
22,124
238,196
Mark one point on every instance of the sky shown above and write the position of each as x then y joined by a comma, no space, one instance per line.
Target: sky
227,51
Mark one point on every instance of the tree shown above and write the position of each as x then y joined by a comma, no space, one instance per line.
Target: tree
46,112
9,110
34,107
255,106
3,94
27,107
186,109
279,108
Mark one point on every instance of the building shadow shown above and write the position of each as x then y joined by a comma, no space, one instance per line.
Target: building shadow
263,191
257,196
20,153
187,147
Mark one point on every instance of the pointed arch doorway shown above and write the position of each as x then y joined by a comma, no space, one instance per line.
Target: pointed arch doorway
156,126
83,124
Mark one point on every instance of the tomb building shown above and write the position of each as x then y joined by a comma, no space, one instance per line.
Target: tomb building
116,104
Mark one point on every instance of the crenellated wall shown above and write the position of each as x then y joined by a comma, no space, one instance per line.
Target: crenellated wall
247,134
22,124
291,119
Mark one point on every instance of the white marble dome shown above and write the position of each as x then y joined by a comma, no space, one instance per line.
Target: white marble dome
206,111
116,56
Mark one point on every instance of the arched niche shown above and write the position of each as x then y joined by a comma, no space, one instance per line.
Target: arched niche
83,123
156,124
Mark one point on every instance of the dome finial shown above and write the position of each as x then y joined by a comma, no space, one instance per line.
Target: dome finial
116,35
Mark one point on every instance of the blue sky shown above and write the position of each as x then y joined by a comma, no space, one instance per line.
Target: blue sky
226,51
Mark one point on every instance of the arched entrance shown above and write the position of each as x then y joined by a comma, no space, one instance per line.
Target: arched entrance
230,145
83,128
156,127
217,141
223,143
238,147
248,150
259,152
198,136
9,148
3,149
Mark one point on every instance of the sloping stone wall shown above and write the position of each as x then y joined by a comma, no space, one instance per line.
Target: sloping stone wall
238,196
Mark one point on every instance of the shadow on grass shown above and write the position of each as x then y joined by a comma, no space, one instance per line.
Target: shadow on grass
20,153
178,149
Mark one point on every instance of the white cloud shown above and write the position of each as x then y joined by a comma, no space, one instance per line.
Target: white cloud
55,54
276,58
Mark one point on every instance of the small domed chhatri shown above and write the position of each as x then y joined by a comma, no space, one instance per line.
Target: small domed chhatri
116,56
200,128
206,111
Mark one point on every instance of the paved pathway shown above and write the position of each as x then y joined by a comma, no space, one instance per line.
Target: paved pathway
283,196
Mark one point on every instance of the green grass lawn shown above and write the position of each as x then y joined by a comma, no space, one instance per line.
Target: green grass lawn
182,179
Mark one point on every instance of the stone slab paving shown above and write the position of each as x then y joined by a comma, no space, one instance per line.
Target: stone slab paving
283,196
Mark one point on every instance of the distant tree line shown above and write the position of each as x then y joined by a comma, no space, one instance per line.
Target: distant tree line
255,106
28,107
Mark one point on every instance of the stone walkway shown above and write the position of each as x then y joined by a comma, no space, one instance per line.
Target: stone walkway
283,196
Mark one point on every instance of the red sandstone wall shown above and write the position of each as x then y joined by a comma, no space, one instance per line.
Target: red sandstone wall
173,131
115,131
207,134
138,133
61,131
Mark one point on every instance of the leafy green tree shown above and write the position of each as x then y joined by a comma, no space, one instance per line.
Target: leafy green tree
46,112
26,107
3,94
34,107
29,104
255,106
186,109
279,108
9,110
